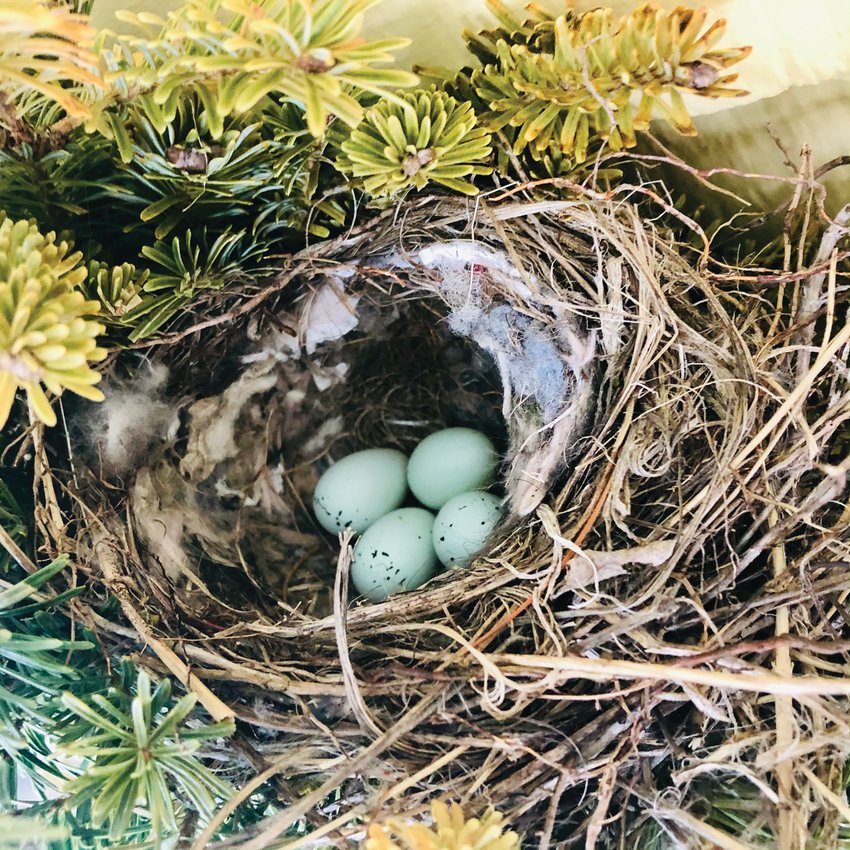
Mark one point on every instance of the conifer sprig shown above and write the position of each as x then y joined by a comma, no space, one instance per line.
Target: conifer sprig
116,288
183,267
34,670
429,137
140,753
451,830
234,53
563,81
45,335
43,48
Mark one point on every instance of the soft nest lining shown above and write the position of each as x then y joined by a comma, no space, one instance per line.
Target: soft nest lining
456,336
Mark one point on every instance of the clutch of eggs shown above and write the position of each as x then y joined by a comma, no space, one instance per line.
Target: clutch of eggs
400,547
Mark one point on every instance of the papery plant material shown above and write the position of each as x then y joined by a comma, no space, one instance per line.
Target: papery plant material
139,752
116,288
563,81
45,337
451,831
428,138
42,48
236,52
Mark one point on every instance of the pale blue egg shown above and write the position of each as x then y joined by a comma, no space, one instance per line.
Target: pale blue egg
450,462
395,554
360,489
463,525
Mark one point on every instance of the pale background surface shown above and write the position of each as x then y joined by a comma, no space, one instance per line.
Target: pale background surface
794,43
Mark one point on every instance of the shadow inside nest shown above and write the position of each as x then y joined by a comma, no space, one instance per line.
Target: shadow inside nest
365,356
225,500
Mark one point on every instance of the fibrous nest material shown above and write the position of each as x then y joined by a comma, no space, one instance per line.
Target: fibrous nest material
662,608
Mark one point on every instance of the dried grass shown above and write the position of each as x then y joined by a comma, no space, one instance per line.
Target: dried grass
695,694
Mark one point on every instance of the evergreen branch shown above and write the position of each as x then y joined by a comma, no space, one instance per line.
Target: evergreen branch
43,48
18,832
451,830
70,188
128,761
117,289
24,589
235,53
33,672
44,335
182,268
139,756
178,176
428,138
534,32
14,527
561,82
259,175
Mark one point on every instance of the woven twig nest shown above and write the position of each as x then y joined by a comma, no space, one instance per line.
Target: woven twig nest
666,493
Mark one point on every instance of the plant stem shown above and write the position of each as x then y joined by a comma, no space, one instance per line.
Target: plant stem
784,710
16,552
217,709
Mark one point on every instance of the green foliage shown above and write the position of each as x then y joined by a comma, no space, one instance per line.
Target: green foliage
220,141
230,202
126,762
46,52
534,32
140,753
44,335
207,152
180,269
563,82
200,213
67,724
235,53
71,188
18,833
427,138
116,288
33,671
179,175
14,523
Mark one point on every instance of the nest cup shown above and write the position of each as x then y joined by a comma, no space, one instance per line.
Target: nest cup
623,388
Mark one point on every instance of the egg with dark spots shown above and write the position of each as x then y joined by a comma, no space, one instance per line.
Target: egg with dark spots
395,554
463,525
360,489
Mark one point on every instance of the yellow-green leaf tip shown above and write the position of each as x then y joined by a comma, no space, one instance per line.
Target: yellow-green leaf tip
47,340
421,137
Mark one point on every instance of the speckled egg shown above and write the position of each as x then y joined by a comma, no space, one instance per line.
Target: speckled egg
450,462
360,489
395,554
463,525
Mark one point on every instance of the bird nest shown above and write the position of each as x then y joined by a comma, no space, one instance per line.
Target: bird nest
660,613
